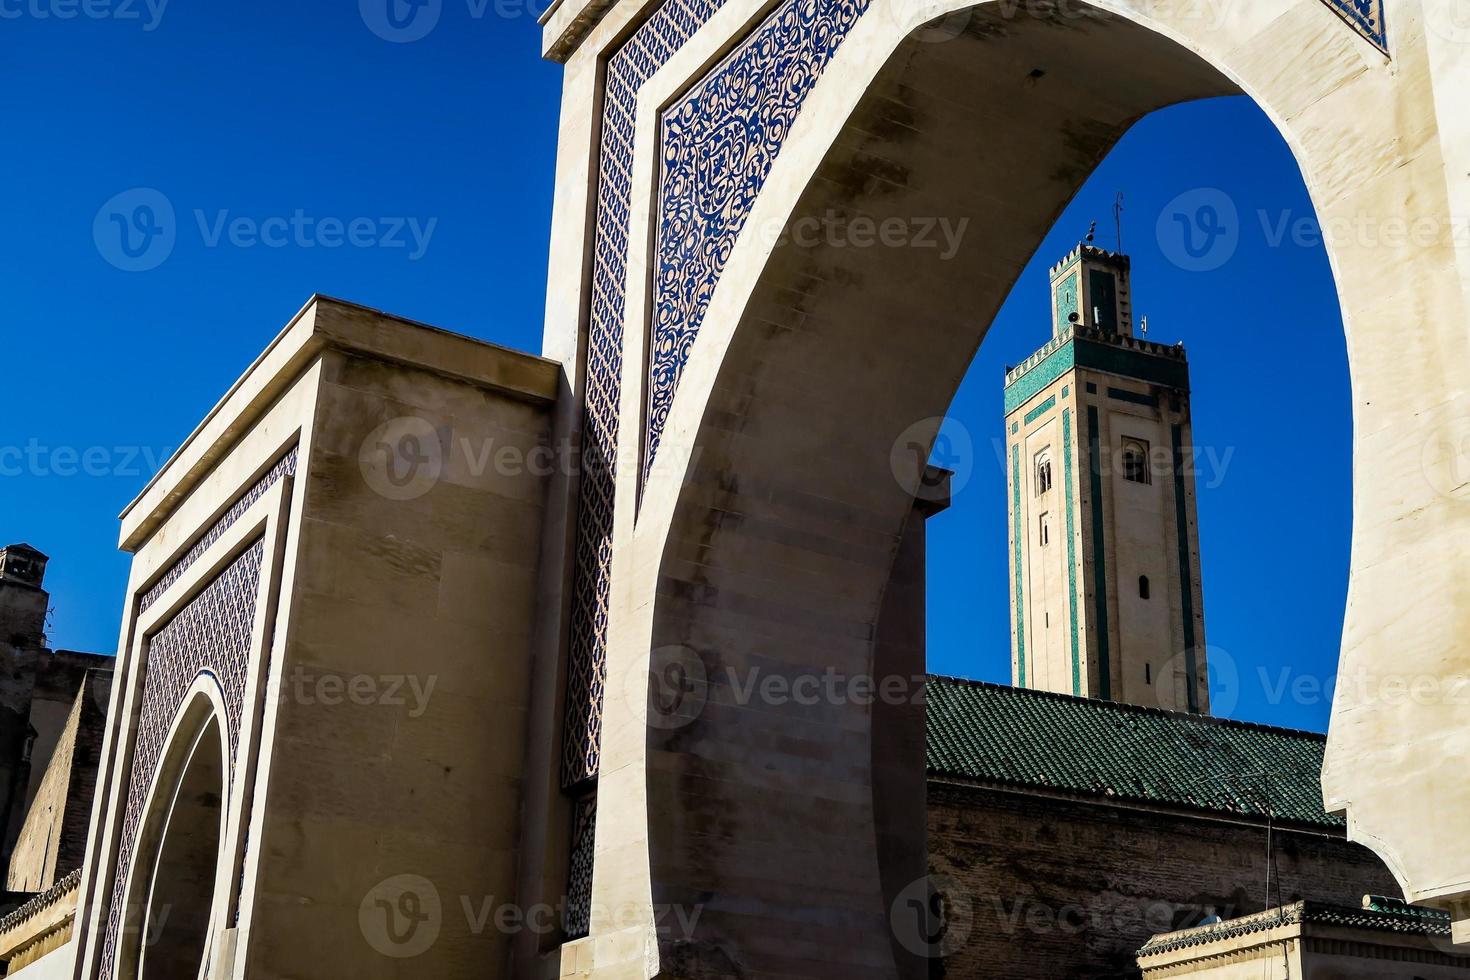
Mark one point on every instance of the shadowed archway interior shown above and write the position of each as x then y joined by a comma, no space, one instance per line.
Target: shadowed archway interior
175,928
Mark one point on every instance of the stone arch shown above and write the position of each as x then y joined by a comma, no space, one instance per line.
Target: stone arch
173,887
770,548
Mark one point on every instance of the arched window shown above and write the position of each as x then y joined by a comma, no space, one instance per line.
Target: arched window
1143,586
1135,461
1043,472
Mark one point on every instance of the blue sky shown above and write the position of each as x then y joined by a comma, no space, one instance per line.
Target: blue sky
417,177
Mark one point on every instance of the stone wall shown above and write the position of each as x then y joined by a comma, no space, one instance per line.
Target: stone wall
53,840
337,571
1058,888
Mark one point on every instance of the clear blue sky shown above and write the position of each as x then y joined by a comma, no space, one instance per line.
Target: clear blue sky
262,111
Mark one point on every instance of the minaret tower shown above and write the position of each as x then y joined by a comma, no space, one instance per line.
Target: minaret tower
1104,541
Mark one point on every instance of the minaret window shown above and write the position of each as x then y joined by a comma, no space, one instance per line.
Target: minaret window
1143,586
1044,529
1135,461
1043,473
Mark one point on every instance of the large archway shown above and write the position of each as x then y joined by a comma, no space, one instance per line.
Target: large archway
772,547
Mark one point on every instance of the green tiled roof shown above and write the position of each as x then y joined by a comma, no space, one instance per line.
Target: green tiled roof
1396,916
995,734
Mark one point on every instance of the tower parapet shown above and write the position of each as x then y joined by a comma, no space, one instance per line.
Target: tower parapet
23,565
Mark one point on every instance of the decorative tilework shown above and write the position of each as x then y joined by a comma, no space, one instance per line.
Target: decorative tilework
1016,531
1186,580
1099,564
665,31
1066,301
1071,547
1041,409
719,143
1129,357
1366,17
210,635
1022,388
285,466
578,914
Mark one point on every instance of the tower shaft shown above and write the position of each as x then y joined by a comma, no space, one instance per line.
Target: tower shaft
1106,596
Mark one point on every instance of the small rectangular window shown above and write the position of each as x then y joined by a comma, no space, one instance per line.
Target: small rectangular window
1043,530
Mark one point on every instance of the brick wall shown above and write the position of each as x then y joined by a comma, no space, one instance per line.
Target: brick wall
53,840
1056,888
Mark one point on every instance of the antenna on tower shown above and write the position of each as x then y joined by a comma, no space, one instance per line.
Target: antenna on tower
1118,219
1145,326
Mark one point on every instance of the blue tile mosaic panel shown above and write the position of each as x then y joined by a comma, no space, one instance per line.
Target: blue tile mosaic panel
719,143
635,62
285,466
209,635
1366,17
